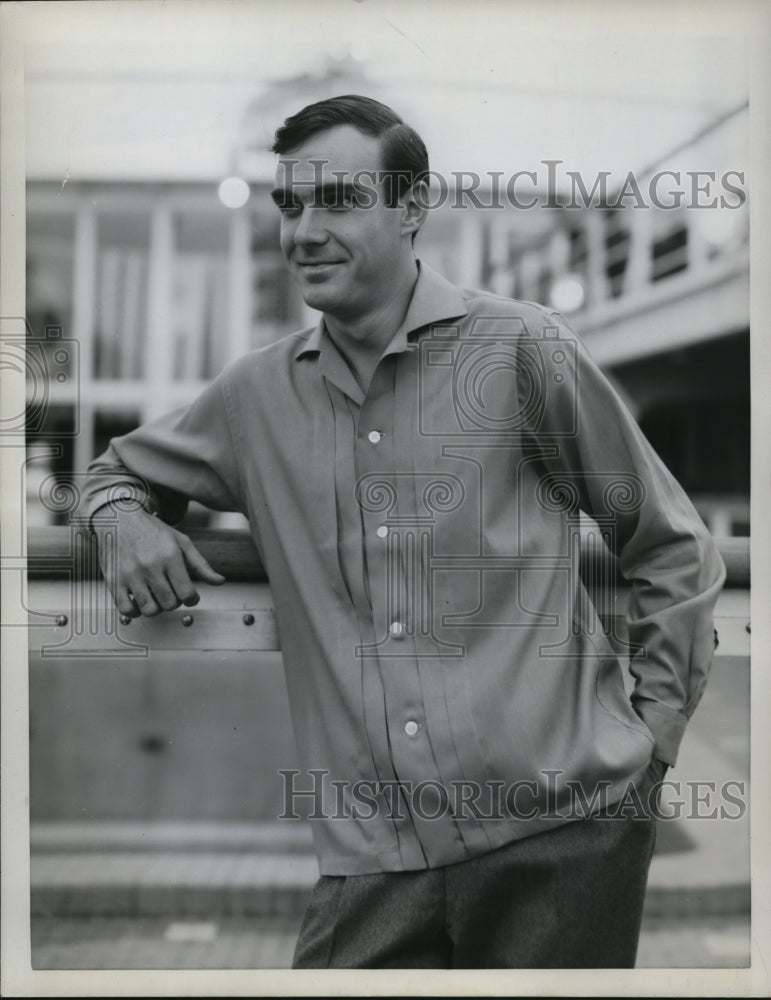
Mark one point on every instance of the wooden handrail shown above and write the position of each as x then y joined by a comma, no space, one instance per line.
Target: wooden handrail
51,552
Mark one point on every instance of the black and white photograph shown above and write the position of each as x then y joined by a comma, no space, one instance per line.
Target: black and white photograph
384,443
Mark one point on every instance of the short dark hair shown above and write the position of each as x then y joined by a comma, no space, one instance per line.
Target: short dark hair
404,153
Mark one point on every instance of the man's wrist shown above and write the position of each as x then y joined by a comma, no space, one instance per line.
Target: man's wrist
115,506
659,767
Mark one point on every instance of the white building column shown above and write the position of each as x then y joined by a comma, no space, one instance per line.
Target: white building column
159,354
638,267
83,328
240,284
470,248
596,255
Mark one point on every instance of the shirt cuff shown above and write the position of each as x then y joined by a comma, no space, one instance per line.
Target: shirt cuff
124,496
666,724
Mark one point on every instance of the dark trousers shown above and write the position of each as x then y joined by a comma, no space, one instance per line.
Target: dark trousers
571,897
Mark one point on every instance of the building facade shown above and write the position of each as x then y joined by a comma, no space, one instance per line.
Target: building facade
160,285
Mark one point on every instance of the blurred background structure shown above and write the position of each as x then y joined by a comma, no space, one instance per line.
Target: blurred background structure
153,243
163,283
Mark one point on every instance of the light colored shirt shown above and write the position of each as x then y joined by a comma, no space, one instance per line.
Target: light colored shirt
448,677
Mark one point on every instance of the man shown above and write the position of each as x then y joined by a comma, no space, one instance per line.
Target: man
413,471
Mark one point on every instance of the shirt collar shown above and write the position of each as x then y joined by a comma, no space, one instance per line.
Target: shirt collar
434,299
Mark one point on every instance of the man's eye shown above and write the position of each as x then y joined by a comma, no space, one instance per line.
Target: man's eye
338,200
289,209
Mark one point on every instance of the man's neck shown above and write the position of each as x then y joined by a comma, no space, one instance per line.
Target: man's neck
363,340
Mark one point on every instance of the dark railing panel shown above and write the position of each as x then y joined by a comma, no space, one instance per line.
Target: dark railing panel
50,552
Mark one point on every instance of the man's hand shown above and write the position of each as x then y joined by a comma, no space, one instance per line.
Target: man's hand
152,568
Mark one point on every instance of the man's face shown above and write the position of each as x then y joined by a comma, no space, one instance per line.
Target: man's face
342,242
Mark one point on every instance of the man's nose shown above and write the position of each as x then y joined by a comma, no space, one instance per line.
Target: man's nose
310,228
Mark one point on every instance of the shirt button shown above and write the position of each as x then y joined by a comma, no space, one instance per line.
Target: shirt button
374,436
382,531
397,630
411,728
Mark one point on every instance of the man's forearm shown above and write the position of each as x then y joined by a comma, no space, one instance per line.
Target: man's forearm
109,482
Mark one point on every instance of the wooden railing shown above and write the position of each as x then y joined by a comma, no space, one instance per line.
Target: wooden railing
51,551
71,612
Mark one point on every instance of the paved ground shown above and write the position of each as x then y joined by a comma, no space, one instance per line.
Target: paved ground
115,943
190,898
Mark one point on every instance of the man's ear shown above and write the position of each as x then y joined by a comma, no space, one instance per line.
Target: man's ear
414,203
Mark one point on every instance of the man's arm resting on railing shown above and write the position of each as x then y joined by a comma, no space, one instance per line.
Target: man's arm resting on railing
141,485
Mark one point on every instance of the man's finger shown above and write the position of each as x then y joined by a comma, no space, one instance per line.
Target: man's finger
197,566
126,604
163,592
179,579
145,601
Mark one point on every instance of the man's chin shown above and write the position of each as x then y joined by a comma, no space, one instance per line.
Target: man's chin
317,297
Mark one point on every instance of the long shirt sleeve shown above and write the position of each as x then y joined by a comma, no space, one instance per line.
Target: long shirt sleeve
185,455
665,551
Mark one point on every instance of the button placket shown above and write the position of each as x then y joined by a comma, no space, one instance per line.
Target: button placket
375,473
387,583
